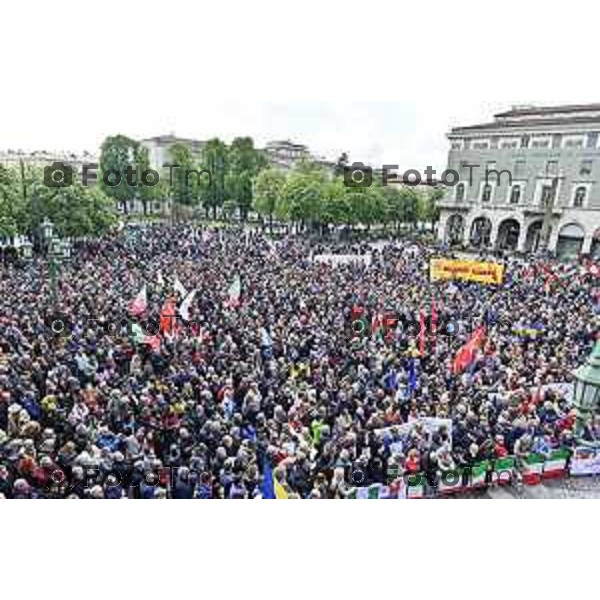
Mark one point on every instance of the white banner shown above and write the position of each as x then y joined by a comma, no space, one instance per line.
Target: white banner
585,461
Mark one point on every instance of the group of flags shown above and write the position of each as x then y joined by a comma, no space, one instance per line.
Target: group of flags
169,313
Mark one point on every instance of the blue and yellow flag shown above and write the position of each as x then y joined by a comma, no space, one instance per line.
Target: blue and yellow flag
272,489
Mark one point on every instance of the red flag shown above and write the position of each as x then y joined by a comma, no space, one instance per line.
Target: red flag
168,317
466,355
422,332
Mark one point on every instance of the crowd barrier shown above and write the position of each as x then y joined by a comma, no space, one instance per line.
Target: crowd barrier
533,470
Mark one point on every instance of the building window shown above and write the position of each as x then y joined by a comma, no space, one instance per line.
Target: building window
481,145
541,142
592,139
457,145
547,194
525,140
515,194
580,196
556,140
586,168
509,144
574,141
486,193
460,192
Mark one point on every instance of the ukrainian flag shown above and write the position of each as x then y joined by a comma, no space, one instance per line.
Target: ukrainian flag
272,489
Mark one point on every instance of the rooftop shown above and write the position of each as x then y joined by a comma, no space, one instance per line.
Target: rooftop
534,116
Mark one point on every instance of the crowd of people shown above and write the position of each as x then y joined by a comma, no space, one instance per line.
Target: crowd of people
280,382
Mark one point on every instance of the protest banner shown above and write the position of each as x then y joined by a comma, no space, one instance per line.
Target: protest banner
585,461
466,270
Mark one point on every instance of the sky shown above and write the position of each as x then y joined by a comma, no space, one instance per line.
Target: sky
409,134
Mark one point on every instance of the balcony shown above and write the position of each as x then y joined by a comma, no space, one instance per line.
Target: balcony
538,209
449,204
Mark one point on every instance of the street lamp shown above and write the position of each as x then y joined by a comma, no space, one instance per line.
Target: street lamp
27,250
47,228
586,393
55,250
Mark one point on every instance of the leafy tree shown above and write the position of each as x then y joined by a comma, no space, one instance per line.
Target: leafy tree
215,159
341,164
409,206
183,183
76,210
303,195
268,187
12,204
118,153
245,163
145,193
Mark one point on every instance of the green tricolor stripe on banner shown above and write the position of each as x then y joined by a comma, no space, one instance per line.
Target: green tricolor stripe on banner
479,472
534,463
557,461
373,491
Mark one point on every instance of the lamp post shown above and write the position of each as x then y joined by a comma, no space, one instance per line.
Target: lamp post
586,394
55,250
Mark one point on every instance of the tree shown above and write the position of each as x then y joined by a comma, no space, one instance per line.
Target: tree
11,203
215,160
432,212
183,183
268,187
245,163
409,206
146,193
76,210
303,195
118,153
340,165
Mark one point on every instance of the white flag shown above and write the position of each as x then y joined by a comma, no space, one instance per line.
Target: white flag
184,310
178,287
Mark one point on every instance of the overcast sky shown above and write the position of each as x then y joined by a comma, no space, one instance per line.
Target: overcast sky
412,135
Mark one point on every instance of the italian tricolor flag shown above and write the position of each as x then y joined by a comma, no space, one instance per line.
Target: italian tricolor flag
478,474
533,469
504,469
556,465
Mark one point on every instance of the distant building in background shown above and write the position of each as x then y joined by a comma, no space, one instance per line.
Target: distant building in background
43,158
158,148
553,156
281,154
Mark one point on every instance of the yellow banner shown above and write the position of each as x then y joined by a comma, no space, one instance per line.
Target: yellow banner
467,270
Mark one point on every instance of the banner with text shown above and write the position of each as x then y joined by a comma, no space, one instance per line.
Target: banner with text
466,270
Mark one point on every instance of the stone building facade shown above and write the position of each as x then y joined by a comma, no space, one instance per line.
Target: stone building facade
530,169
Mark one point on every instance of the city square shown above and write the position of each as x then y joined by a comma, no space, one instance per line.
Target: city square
279,331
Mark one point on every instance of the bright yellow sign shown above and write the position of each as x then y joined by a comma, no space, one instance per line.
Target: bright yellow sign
467,270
